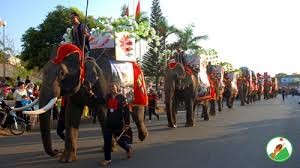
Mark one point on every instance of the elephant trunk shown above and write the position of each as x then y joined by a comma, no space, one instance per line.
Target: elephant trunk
45,96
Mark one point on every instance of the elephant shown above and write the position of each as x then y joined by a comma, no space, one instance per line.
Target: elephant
179,79
74,77
253,87
230,89
244,85
267,87
216,75
260,86
274,90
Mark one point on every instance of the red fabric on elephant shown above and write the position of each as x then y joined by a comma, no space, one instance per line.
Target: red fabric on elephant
186,68
65,50
139,87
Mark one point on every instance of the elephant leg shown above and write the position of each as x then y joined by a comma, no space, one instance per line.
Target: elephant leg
169,111
212,110
220,104
231,99
138,118
72,121
189,113
173,114
205,110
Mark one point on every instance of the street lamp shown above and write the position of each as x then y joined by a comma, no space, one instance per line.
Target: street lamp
3,24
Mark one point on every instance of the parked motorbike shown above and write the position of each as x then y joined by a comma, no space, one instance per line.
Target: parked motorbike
15,124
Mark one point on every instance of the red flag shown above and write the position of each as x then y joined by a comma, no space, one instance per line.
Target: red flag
127,11
138,9
139,87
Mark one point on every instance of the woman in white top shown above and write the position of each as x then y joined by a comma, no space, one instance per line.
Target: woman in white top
21,91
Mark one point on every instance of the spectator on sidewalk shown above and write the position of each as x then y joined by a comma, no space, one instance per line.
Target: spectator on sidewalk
61,120
17,95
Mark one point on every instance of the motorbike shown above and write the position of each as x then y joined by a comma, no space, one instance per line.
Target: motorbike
15,124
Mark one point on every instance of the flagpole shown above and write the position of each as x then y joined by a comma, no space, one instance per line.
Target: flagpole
85,29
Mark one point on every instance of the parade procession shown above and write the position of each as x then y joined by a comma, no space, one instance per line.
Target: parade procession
88,77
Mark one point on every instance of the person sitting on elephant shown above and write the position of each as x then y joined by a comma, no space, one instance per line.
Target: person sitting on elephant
80,32
117,120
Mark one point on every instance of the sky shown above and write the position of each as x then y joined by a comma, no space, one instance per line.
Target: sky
261,34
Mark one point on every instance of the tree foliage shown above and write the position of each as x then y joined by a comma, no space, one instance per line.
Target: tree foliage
187,40
38,42
152,63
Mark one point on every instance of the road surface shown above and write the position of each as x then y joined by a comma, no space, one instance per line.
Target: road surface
232,139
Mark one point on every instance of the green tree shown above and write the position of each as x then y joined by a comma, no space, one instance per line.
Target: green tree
152,63
38,42
123,10
280,75
186,39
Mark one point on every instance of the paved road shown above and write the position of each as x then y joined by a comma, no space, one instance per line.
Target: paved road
233,139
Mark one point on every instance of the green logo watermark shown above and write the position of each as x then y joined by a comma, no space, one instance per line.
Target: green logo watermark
279,149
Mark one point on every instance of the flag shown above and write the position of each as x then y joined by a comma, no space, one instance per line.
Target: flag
139,86
138,9
127,11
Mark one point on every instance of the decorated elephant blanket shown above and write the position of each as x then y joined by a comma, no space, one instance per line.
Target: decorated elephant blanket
131,79
186,68
65,50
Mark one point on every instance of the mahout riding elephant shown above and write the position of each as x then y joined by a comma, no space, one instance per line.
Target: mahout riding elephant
82,82
230,89
216,75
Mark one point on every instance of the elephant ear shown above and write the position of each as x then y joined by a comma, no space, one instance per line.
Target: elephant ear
69,74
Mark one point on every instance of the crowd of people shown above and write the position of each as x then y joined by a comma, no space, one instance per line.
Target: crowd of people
23,93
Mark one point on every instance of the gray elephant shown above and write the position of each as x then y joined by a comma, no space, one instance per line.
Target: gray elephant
230,89
176,80
260,85
215,74
64,77
244,85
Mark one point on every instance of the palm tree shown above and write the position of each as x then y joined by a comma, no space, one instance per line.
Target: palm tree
164,31
187,40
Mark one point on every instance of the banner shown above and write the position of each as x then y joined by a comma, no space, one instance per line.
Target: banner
122,72
102,40
125,47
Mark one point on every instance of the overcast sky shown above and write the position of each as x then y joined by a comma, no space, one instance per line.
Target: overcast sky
261,34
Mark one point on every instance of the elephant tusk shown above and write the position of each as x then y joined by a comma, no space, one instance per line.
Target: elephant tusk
44,109
27,106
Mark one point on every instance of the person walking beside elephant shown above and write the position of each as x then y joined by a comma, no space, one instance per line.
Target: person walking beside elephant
117,123
152,102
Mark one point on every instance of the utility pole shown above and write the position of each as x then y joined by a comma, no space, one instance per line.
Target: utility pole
3,23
